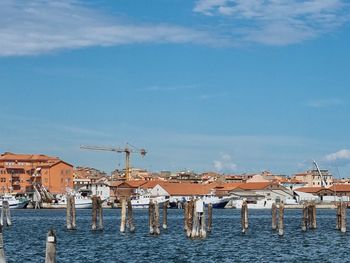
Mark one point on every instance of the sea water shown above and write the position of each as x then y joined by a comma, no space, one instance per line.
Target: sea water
25,240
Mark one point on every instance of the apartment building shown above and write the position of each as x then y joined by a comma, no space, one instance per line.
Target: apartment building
312,178
19,171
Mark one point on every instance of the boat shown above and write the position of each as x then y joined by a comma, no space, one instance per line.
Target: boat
216,201
14,202
61,202
142,201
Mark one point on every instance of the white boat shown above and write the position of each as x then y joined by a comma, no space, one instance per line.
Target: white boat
13,202
254,203
80,202
216,201
142,201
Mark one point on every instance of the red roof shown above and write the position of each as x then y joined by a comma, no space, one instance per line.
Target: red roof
255,186
310,189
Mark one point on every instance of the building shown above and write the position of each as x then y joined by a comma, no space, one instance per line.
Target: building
312,178
19,171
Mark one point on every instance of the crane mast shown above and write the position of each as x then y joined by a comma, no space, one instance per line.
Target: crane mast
128,149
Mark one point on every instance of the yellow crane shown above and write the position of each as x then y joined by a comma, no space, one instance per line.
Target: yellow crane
128,149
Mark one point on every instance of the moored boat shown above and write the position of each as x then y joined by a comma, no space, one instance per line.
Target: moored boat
14,202
80,202
142,201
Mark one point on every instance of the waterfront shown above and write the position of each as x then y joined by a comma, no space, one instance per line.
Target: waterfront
25,240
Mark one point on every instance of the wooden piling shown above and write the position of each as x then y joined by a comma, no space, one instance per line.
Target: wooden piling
151,217
195,225
2,252
343,217
309,215
100,213
185,216
281,220
50,256
123,215
210,217
130,224
165,215
304,221
156,219
274,216
74,214
203,230
69,213
244,217
5,214
190,213
314,219
338,215
94,212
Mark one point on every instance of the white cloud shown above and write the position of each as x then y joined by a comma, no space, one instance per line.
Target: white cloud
340,158
324,103
277,22
39,26
225,163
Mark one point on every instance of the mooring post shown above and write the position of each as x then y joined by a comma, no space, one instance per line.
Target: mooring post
338,215
151,217
123,215
165,215
314,219
190,214
210,216
309,216
343,217
203,229
2,252
244,217
69,213
94,212
74,214
50,256
100,213
304,219
281,220
130,217
5,213
274,216
156,219
185,215
195,226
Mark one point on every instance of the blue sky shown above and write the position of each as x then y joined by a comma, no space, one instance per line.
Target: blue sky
209,85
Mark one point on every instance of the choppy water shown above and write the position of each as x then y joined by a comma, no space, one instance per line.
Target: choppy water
25,240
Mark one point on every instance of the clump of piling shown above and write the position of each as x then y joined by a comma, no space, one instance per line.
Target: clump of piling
153,215
97,214
5,214
71,213
50,256
244,217
195,219
341,217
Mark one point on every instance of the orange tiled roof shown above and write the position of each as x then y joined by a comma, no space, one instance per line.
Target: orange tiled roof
340,188
25,157
227,186
255,186
309,189
186,189
136,183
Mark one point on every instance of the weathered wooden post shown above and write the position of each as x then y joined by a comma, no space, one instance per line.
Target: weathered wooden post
2,252
314,219
69,213
151,217
5,213
185,216
50,256
130,217
123,215
94,213
156,219
281,220
274,216
309,217
244,217
343,217
74,214
100,213
203,230
338,215
305,218
190,213
165,215
210,217
195,226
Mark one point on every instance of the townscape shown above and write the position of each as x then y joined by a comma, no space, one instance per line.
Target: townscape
40,181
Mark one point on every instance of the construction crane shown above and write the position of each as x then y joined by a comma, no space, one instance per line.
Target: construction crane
128,149
323,181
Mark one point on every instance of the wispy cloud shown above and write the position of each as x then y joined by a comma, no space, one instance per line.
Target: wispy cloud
277,22
39,26
339,158
225,163
324,103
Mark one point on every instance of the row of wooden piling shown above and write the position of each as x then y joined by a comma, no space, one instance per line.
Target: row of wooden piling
195,219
